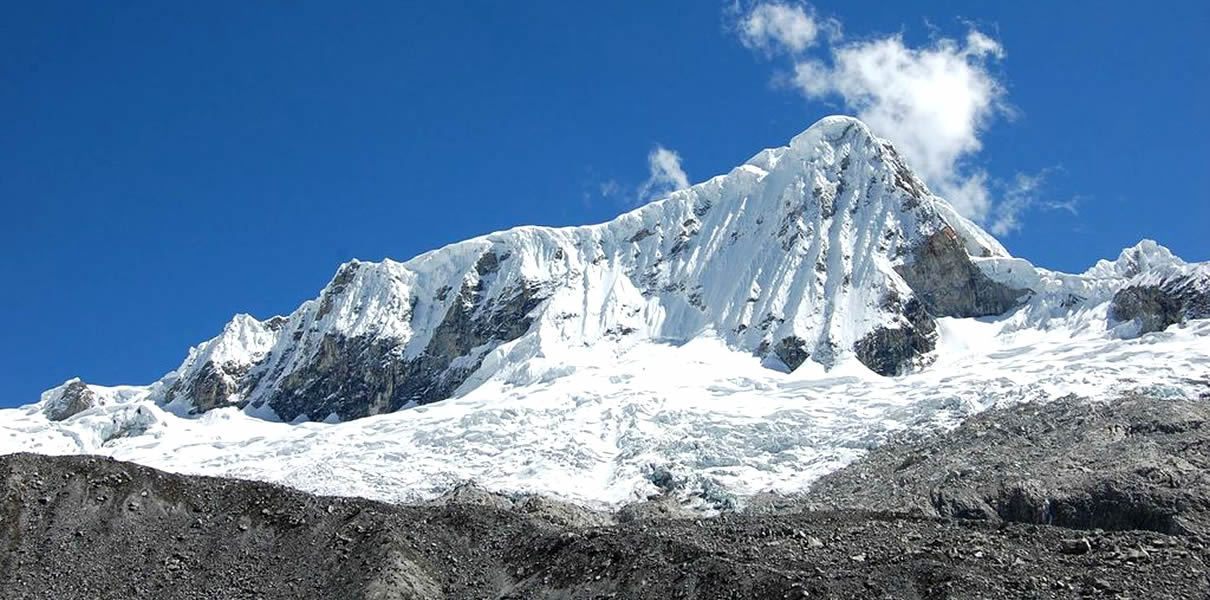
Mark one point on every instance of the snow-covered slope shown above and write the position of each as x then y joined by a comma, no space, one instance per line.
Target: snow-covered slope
607,428
750,332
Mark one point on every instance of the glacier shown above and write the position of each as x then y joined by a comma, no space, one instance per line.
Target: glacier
745,335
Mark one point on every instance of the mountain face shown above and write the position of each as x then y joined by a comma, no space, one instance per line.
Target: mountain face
750,334
826,249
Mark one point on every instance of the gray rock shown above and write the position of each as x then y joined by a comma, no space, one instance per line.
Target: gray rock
1156,307
944,282
894,351
250,542
1135,462
947,282
792,351
339,283
72,400
470,493
661,508
213,386
1075,546
962,503
357,377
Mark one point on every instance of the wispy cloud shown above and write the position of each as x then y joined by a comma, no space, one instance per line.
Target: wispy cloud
666,175
610,188
1022,193
1071,205
934,101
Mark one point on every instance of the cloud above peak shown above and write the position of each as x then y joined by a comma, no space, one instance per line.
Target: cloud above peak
773,27
933,101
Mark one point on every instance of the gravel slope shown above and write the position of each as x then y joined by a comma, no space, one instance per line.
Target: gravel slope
1136,462
86,527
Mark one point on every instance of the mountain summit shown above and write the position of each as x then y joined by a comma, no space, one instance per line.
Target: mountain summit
824,249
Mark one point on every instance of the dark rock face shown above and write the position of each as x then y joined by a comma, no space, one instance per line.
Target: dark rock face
944,282
894,351
905,179
89,528
943,277
341,281
352,377
792,351
76,398
1156,307
212,387
1136,463
357,377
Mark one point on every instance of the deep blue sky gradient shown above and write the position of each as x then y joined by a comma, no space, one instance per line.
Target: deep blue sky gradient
164,167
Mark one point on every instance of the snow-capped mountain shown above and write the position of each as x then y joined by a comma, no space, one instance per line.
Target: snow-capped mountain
820,284
828,246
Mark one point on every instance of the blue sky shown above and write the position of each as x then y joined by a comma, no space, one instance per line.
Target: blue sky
164,167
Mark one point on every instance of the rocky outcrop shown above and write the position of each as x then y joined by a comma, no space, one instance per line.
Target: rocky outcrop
213,386
895,350
949,284
353,377
348,377
1137,462
944,282
221,371
792,351
344,276
69,399
1157,305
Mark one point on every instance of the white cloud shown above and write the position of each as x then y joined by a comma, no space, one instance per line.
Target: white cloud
666,174
776,26
932,102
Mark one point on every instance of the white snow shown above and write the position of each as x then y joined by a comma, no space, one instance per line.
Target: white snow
591,425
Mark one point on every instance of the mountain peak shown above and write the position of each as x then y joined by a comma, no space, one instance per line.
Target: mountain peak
831,129
818,252
829,247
